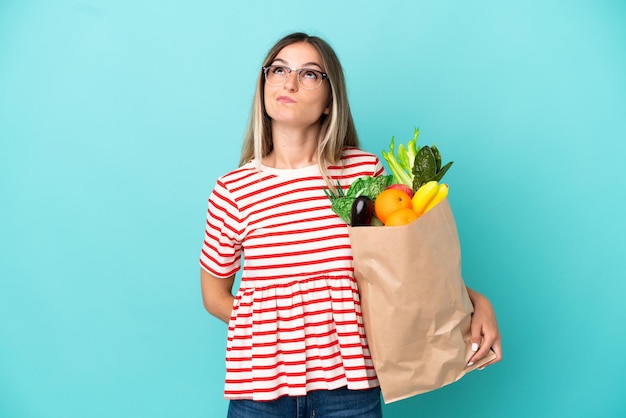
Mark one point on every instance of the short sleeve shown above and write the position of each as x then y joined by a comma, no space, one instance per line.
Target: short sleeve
379,170
221,249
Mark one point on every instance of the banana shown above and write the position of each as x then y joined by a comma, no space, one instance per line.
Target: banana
424,195
441,194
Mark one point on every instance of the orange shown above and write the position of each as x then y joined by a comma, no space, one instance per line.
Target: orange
401,217
390,200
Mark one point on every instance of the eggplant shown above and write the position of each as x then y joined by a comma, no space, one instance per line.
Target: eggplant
361,212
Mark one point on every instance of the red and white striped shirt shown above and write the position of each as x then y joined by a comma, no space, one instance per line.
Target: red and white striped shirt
296,323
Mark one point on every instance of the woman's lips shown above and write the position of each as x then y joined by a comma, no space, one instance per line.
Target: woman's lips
285,99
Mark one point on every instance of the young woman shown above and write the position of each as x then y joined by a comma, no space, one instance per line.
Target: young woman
296,340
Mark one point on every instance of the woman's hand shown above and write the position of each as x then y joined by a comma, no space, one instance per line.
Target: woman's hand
484,329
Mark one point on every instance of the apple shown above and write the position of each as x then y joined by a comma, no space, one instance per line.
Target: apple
406,189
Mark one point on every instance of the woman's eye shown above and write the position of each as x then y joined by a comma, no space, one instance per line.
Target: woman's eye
279,70
310,74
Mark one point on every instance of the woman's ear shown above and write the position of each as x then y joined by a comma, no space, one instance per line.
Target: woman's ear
326,110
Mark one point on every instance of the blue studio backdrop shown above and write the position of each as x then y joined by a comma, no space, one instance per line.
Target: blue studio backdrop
116,117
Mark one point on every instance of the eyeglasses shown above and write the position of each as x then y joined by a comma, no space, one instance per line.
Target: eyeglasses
308,78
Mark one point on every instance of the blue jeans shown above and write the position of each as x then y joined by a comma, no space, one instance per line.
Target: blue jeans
338,403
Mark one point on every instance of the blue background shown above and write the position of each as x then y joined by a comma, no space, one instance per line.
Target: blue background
116,117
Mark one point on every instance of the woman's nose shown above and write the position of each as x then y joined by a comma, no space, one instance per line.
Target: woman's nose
292,81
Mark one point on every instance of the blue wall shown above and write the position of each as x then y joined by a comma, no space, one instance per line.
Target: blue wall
117,116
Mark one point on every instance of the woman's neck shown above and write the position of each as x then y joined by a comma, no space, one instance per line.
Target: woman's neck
293,148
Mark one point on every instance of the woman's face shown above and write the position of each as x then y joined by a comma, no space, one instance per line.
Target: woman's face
289,103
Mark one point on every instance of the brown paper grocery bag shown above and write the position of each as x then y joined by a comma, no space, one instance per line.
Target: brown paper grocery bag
415,305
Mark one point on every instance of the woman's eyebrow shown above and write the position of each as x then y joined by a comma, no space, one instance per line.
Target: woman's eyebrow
308,64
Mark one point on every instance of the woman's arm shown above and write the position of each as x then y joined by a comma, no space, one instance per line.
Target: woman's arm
217,295
484,328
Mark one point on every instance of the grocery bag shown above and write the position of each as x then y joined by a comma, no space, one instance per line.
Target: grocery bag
414,302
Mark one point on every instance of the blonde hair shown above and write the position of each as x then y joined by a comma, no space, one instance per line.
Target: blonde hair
337,128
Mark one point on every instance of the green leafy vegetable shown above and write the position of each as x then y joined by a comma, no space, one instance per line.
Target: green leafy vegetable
369,186
341,203
428,167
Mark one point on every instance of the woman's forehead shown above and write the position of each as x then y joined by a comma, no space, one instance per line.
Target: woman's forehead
299,54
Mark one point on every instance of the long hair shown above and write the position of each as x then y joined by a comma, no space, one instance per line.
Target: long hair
337,129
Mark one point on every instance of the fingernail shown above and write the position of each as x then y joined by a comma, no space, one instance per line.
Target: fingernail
471,363
474,346
481,368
